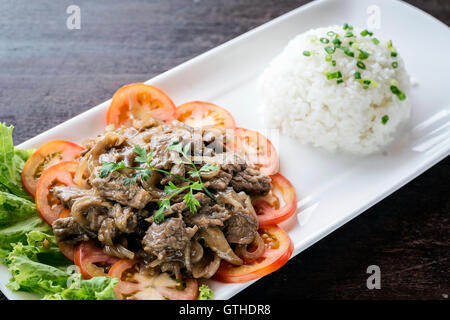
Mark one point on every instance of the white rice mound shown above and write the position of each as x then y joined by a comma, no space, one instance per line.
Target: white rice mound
298,98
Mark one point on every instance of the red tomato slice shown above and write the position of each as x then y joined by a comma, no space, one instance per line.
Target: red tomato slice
67,249
59,174
277,251
92,259
139,101
257,149
45,156
268,207
134,285
202,114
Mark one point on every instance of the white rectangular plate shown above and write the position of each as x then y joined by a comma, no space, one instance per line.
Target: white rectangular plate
332,189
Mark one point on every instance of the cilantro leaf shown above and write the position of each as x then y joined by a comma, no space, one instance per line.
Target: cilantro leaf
143,174
196,186
187,148
109,167
208,168
163,204
170,187
129,180
191,202
176,146
142,154
194,174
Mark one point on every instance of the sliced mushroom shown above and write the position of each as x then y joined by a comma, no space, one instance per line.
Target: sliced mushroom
215,240
87,205
206,267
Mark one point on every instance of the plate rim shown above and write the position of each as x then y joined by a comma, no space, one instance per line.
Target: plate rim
421,167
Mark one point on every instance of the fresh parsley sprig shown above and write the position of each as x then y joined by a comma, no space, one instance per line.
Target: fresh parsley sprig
170,189
178,147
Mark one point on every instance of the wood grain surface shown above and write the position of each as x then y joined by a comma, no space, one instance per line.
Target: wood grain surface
49,74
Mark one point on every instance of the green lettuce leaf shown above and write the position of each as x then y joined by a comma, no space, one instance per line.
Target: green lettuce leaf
205,293
14,208
27,244
18,232
30,267
97,288
23,154
11,164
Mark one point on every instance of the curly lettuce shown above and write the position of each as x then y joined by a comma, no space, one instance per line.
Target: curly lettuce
11,164
28,247
29,271
97,288
205,293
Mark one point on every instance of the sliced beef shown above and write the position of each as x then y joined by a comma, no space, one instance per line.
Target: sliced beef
68,195
69,231
251,181
207,216
168,239
208,213
241,228
219,181
108,231
125,219
90,211
113,188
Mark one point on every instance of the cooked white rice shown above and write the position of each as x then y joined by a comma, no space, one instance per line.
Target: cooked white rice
298,98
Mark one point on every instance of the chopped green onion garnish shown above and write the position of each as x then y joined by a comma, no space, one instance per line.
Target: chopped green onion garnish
357,75
375,41
324,40
394,83
398,93
333,75
361,65
370,33
364,33
349,34
395,64
331,33
368,82
329,50
333,63
339,81
348,52
337,43
347,27
365,87
306,53
391,47
385,119
363,55
328,57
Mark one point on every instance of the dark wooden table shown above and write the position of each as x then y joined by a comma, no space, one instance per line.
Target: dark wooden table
49,74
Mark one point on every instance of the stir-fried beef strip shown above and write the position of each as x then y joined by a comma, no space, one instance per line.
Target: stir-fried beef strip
121,216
